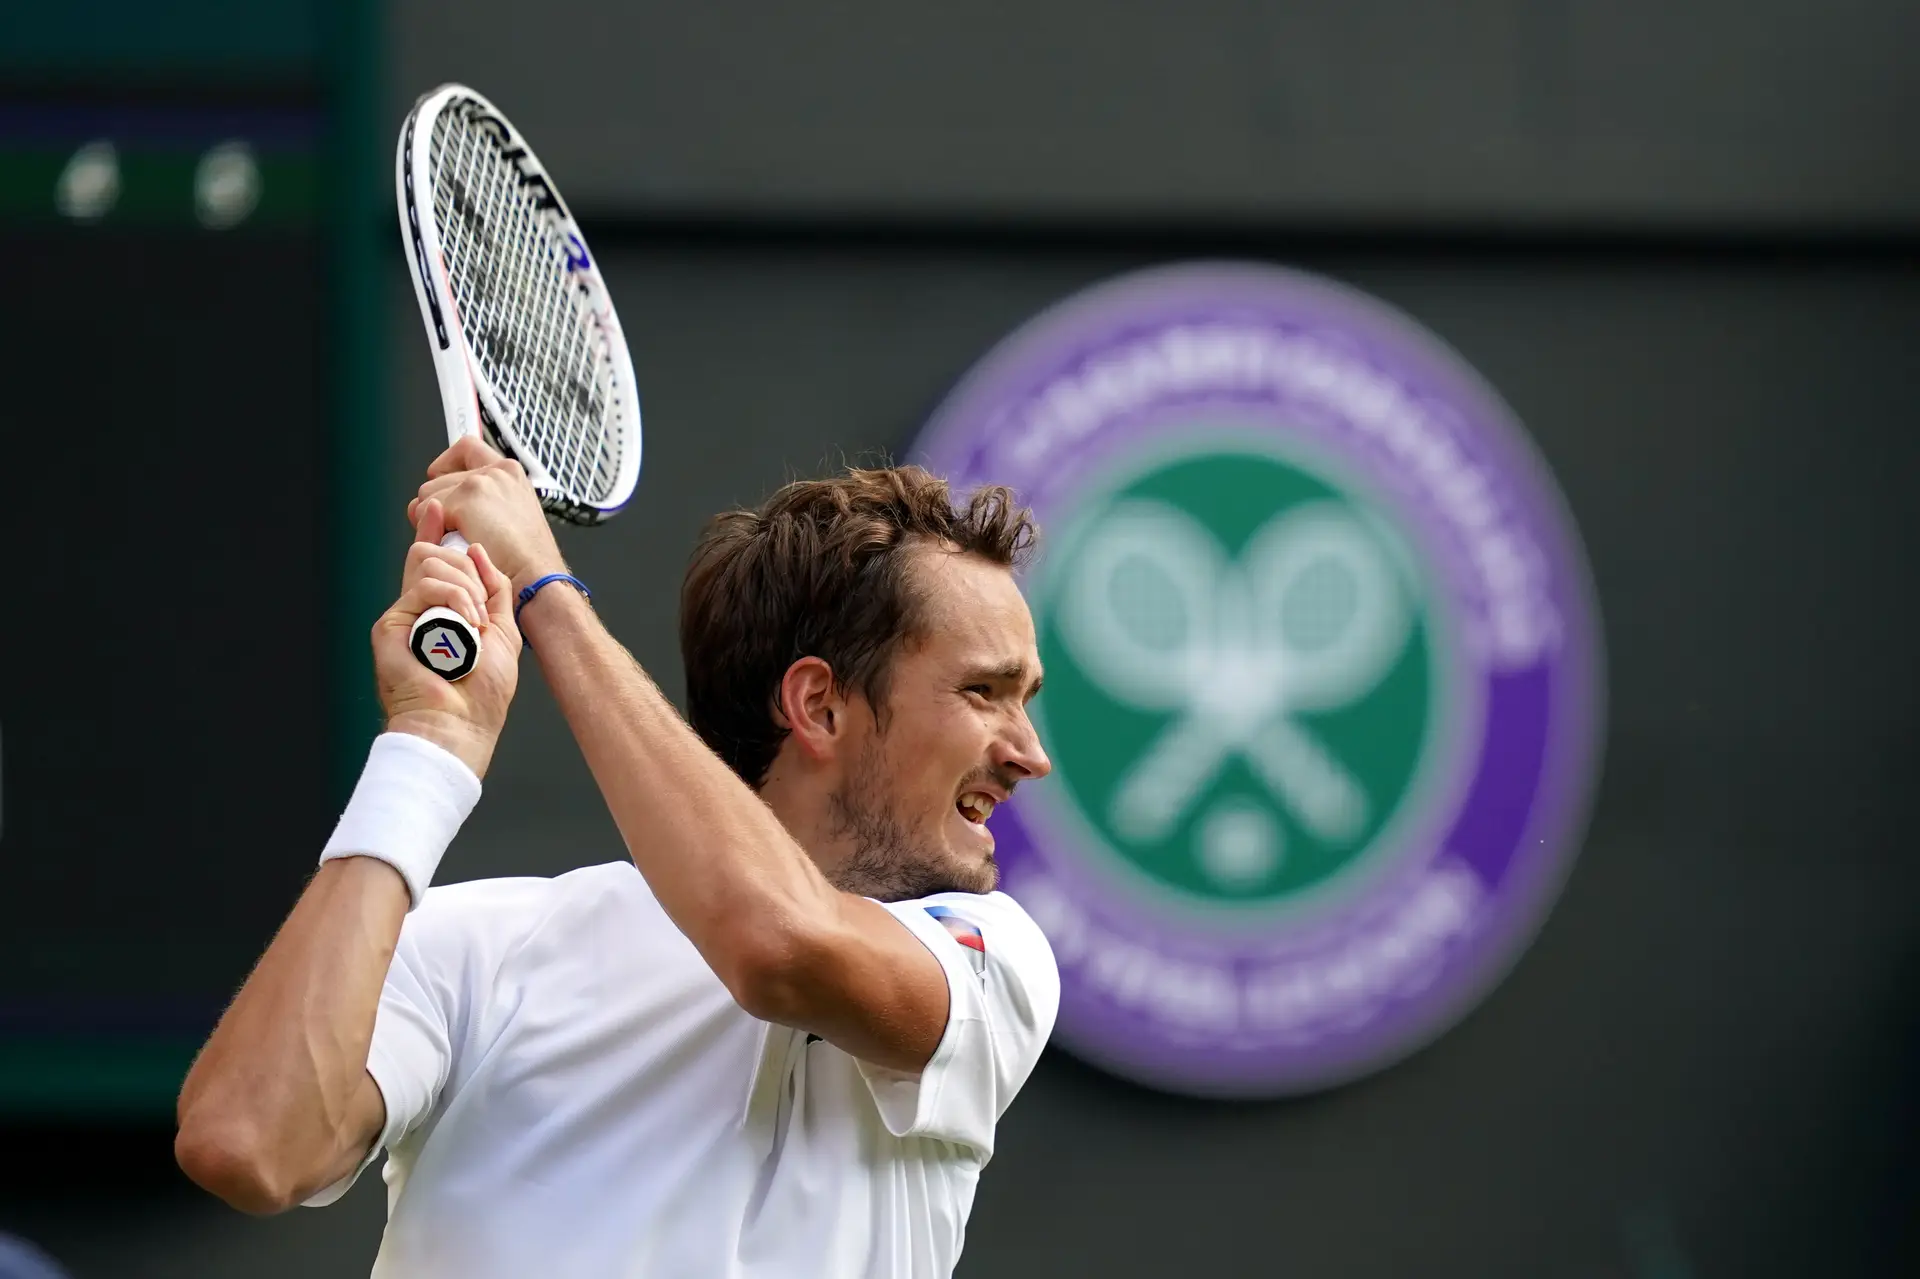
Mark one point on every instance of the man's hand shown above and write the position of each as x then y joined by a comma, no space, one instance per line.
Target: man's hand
464,717
487,497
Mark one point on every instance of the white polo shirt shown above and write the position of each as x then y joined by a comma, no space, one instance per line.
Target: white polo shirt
570,1091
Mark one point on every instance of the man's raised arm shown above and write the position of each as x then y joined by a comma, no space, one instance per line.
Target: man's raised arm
791,947
279,1103
788,945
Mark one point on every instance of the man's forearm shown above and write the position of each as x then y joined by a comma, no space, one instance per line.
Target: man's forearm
718,860
277,1103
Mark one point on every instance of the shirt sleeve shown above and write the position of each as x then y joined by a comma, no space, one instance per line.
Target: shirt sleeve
1003,994
440,968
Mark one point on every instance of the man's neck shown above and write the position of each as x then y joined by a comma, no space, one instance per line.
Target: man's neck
804,809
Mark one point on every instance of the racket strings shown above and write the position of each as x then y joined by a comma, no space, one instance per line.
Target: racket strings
534,337
509,268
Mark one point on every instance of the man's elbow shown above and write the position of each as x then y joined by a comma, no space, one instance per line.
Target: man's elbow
234,1167
776,974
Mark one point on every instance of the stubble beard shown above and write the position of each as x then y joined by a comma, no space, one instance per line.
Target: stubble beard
887,862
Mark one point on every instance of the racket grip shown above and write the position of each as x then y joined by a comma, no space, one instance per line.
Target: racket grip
443,641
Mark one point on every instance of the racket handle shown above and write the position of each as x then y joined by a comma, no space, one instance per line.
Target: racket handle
443,641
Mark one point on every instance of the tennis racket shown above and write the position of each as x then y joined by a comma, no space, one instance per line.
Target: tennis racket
526,346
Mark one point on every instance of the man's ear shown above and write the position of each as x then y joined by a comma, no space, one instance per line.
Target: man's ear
811,708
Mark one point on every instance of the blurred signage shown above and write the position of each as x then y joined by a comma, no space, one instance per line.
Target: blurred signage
223,161
1323,673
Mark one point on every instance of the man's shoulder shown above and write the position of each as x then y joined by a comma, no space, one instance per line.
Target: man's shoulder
517,904
996,905
994,924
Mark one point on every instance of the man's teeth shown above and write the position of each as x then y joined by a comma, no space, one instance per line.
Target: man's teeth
976,807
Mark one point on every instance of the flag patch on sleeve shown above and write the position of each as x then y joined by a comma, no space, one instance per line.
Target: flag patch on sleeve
964,933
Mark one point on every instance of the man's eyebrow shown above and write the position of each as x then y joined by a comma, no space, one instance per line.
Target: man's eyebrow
1015,672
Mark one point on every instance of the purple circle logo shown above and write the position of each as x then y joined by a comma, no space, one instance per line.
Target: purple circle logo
1323,673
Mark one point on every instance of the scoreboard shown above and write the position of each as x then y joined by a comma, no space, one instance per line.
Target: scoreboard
175,317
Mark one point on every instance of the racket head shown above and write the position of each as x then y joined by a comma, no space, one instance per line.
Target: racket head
527,348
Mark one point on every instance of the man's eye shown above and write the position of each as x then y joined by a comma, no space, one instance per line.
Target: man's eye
980,690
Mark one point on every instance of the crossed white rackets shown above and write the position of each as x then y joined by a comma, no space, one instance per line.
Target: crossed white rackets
1310,618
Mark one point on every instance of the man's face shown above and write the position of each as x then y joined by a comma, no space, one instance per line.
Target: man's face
954,740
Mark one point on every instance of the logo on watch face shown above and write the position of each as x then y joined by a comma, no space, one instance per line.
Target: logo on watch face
1323,673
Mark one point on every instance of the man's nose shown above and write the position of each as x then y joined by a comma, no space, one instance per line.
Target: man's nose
1022,752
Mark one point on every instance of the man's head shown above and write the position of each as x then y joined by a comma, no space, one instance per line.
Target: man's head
857,651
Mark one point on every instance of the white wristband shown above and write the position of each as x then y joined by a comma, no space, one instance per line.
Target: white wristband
408,806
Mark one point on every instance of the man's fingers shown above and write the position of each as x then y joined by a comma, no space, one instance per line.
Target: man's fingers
422,551
444,584
468,453
438,485
437,491
498,585
426,559
461,485
429,521
462,576
435,592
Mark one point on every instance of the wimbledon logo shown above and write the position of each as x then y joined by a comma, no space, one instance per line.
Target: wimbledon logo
1322,673
1240,674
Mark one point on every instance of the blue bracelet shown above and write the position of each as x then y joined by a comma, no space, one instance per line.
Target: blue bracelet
527,593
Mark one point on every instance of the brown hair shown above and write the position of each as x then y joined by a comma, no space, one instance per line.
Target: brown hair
819,570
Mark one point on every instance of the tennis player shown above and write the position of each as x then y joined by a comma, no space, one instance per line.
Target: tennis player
778,1041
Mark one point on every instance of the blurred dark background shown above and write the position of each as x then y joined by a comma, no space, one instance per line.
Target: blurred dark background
1680,238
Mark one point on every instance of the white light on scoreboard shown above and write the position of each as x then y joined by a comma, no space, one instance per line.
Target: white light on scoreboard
226,186
90,184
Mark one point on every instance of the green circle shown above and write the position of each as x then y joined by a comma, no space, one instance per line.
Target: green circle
1236,838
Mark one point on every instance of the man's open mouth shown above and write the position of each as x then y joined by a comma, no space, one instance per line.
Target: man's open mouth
975,806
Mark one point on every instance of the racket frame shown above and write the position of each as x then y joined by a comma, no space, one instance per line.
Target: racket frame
471,404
